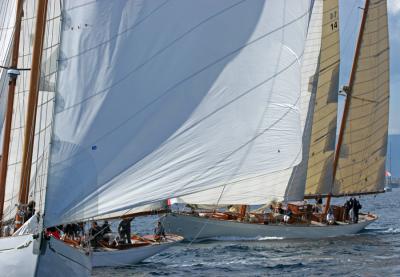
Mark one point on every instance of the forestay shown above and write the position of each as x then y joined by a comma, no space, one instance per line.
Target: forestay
361,166
158,99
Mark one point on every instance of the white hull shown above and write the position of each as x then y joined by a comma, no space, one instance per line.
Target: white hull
119,258
22,256
58,259
200,228
17,256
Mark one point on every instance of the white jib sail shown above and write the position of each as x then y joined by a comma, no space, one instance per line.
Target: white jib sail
158,99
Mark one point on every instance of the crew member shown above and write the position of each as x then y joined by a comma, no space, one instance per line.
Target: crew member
159,231
95,234
124,230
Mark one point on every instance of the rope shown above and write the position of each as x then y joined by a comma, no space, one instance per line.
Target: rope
67,257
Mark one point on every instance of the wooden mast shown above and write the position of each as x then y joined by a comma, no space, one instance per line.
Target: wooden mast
32,107
347,102
10,104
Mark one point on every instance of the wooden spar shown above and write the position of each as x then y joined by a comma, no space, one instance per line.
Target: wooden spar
32,106
9,110
348,101
312,196
156,212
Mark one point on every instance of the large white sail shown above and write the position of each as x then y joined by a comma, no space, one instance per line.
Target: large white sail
161,99
361,165
288,183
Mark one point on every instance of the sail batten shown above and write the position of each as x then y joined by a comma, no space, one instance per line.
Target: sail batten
209,103
361,163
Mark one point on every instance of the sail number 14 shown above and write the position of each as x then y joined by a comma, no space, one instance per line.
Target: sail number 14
334,25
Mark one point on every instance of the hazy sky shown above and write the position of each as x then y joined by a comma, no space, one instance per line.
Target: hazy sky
350,18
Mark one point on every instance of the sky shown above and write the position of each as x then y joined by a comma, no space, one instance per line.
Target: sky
350,18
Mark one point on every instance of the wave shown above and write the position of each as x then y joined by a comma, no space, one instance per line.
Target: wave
234,238
390,230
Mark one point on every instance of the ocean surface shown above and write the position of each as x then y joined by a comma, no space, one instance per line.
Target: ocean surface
374,252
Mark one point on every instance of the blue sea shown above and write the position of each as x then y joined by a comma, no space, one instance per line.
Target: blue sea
374,252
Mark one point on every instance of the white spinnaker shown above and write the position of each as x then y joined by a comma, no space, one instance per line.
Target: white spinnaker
288,183
158,99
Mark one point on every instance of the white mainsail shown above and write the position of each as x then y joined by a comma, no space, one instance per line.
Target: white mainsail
361,165
149,108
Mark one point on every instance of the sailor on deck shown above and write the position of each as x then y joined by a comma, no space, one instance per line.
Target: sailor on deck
124,230
95,234
159,231
356,207
330,218
30,210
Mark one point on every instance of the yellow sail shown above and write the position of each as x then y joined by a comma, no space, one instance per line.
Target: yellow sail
322,144
361,164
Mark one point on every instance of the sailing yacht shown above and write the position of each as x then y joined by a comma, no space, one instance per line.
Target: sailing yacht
114,105
354,166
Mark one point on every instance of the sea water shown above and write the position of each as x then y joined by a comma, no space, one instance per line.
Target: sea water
374,252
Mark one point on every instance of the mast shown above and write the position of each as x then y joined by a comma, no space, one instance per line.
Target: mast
347,102
13,73
32,106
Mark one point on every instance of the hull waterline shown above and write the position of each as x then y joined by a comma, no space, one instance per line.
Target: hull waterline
200,228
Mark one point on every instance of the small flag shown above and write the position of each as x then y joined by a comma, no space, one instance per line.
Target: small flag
388,174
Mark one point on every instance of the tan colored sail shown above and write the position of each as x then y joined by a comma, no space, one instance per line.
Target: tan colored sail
361,164
322,144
